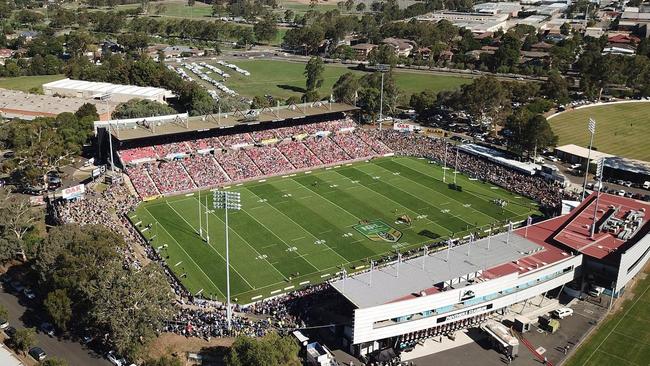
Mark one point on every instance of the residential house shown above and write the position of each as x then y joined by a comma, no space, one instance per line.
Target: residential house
362,50
403,47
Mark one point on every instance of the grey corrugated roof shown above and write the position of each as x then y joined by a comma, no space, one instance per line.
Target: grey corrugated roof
387,287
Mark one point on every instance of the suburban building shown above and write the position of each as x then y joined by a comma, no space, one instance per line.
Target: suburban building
16,104
95,90
475,22
578,155
362,50
403,47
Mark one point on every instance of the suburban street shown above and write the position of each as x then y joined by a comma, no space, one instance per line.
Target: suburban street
73,352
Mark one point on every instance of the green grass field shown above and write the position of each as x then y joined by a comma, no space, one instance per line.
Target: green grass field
27,83
299,229
622,129
624,339
283,79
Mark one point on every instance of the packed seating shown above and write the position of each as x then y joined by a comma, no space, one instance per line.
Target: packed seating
172,148
142,181
204,170
237,164
170,176
372,138
204,144
326,150
260,136
270,160
137,154
353,145
298,154
236,139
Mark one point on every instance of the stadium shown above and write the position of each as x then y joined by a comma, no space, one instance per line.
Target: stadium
407,236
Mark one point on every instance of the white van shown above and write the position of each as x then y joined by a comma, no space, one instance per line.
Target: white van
562,313
646,185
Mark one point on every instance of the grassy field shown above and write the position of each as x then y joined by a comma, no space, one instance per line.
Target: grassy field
27,83
283,79
622,129
624,339
299,229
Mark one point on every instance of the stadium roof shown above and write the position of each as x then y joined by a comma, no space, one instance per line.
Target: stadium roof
582,152
500,158
29,106
629,165
106,88
498,261
226,120
573,230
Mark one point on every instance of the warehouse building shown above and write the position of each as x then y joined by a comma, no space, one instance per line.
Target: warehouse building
95,90
16,104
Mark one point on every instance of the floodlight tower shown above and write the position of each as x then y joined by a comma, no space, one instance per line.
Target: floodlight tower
227,200
591,127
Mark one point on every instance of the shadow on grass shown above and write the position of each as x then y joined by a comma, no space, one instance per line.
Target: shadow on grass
292,88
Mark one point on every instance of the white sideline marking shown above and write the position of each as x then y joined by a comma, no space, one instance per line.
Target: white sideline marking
350,164
328,168
307,172
256,297
275,291
239,184
338,166
138,223
285,176
226,187
177,264
302,237
289,287
303,283
189,195
145,229
325,275
292,175
261,181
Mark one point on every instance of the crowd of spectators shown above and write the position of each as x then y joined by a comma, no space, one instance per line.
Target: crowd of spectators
270,160
179,167
548,194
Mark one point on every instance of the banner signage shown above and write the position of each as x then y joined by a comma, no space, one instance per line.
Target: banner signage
73,192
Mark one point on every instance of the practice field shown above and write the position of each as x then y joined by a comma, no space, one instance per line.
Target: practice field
300,229
621,129
283,79
624,339
27,83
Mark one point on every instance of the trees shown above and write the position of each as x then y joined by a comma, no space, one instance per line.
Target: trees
384,54
163,361
486,99
556,88
59,307
24,339
345,88
54,362
270,350
265,29
17,223
423,103
87,110
289,16
314,73
83,264
137,108
361,7
529,132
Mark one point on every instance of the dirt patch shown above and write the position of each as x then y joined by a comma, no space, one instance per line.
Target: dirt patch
211,351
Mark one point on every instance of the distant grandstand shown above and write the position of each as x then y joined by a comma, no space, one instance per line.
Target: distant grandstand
176,153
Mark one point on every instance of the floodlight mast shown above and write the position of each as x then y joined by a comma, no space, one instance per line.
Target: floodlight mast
227,200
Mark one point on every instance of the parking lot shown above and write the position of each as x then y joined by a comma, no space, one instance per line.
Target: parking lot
480,352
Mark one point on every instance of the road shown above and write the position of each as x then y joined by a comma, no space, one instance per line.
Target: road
73,352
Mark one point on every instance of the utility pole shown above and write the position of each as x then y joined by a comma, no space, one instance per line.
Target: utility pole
456,166
382,69
444,168
227,200
599,179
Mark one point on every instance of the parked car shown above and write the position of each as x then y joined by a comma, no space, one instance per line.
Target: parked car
115,359
4,324
37,353
562,313
596,291
10,331
47,328
29,293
